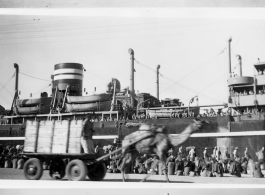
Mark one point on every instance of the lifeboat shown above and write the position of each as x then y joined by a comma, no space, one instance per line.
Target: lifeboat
33,102
32,110
96,106
89,99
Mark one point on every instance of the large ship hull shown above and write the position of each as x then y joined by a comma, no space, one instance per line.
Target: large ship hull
223,124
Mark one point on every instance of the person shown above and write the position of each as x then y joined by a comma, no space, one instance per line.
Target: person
246,153
235,153
205,155
214,152
125,110
226,160
97,150
179,166
170,162
236,168
180,150
244,165
257,170
86,137
192,154
260,155
218,154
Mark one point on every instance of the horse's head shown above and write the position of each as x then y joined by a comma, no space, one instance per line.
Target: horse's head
198,124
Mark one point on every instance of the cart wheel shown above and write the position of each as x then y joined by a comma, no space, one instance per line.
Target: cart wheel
57,169
76,170
33,169
97,172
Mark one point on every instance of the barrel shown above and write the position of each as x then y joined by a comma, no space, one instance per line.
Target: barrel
69,74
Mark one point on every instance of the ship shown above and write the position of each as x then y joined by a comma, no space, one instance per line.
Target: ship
118,112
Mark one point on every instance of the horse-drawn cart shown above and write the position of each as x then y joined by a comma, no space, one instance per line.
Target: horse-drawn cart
57,144
55,141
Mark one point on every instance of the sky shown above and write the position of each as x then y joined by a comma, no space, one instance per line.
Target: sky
190,45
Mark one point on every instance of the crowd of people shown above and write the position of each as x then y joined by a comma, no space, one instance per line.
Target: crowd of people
10,158
188,163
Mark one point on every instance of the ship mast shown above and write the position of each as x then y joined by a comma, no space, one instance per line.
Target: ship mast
157,81
229,69
131,52
229,57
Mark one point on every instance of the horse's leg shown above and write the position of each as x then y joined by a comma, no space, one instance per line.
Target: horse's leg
122,170
162,156
123,164
127,159
145,178
165,169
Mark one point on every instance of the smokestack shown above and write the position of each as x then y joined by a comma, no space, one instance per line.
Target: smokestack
16,84
240,65
131,52
229,57
157,81
16,87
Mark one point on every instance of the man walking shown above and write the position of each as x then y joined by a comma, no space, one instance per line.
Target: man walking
86,137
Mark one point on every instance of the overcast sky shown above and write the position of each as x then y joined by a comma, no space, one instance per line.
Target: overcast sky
188,43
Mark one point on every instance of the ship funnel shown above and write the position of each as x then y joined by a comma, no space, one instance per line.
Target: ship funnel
157,81
131,52
69,74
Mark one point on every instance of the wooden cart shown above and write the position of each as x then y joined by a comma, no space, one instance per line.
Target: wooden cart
57,144
78,167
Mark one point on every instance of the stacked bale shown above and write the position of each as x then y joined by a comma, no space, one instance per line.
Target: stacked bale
45,137
60,137
74,136
31,136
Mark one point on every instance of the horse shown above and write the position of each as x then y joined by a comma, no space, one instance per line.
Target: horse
151,139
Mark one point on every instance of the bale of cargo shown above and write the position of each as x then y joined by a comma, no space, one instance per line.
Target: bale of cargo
76,127
60,136
45,136
31,134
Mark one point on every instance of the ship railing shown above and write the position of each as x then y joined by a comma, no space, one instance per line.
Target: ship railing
110,113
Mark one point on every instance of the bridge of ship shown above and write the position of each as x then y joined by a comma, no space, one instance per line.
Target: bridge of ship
247,84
